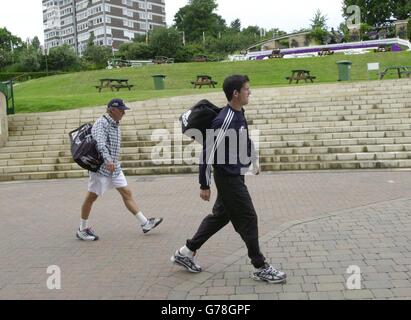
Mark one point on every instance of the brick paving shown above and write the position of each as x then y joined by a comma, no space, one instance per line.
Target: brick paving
313,225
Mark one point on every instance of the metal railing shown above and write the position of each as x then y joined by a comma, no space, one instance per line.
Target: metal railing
7,88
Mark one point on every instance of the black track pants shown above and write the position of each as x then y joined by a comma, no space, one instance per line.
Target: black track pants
233,204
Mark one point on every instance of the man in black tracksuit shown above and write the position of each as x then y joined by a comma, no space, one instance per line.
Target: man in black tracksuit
230,151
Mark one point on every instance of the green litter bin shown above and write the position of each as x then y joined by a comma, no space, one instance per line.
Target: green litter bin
344,70
159,83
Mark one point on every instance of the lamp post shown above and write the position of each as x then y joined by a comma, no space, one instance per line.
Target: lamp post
12,51
184,34
146,21
45,53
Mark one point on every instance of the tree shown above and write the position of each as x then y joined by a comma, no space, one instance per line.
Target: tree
30,60
63,58
252,30
165,41
96,55
275,33
35,43
319,27
401,9
198,17
135,51
6,38
5,58
139,38
373,12
187,52
319,21
236,25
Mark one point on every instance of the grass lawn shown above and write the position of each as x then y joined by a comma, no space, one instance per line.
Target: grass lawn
76,90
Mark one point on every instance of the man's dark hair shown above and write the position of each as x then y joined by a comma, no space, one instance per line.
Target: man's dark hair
232,83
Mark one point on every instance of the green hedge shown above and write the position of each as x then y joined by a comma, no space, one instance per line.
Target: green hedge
25,76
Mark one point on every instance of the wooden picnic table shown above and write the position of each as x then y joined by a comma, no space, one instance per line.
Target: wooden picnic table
204,80
162,60
401,70
325,52
298,75
114,84
382,49
276,53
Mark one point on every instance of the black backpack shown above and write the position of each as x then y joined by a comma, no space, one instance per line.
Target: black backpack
83,148
199,117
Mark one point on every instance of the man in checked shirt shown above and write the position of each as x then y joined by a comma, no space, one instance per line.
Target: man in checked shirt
106,131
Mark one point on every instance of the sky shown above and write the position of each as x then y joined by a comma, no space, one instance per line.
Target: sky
24,18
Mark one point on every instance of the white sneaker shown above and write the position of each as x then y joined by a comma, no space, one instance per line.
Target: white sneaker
185,262
151,224
87,235
269,274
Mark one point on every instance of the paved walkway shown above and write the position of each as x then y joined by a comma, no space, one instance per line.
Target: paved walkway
313,225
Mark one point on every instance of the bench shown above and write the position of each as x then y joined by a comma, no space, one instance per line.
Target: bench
297,78
400,70
121,86
325,52
406,73
114,84
163,60
200,58
382,49
276,54
298,75
204,83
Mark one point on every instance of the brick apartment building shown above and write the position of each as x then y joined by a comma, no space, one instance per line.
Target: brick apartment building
112,22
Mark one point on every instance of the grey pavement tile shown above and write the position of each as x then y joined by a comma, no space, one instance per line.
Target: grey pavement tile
377,284
244,297
368,227
268,296
358,294
245,290
382,293
293,296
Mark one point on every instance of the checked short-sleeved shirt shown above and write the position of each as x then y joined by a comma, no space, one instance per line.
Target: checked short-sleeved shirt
107,133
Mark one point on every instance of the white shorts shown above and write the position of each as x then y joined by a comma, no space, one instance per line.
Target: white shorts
100,184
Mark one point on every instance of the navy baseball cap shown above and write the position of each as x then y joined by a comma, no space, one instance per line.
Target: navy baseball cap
117,103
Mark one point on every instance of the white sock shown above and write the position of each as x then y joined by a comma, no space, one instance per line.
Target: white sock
142,218
83,224
187,252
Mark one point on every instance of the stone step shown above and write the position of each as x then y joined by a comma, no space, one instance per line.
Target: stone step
335,136
35,161
145,153
266,141
336,157
28,155
73,166
277,129
265,135
332,126
257,112
348,165
332,150
79,173
66,164
144,129
44,175
339,142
